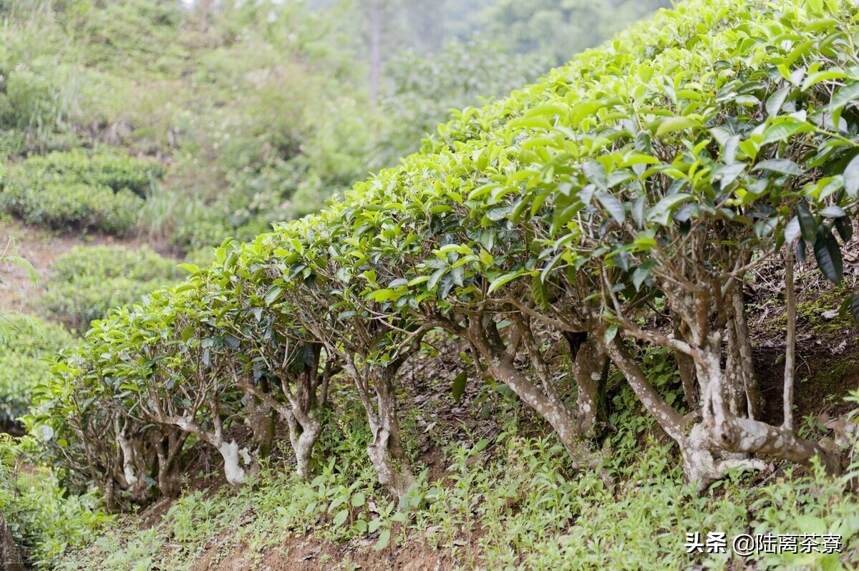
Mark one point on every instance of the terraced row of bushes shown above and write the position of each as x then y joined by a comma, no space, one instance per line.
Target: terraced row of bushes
87,282
25,345
78,191
621,203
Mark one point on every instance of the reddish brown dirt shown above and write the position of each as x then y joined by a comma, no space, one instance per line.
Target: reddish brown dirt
309,554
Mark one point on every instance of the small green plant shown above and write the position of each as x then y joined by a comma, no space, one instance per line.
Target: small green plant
42,517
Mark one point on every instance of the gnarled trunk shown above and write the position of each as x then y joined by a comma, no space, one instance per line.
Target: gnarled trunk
303,401
723,439
234,456
168,449
260,419
375,384
304,430
135,460
386,449
589,365
542,397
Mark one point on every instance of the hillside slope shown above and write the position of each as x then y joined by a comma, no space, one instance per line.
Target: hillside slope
586,327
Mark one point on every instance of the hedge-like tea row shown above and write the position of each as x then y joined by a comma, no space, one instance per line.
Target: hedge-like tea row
621,202
25,344
76,191
86,283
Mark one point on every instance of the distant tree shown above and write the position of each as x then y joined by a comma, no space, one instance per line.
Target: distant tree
424,89
557,29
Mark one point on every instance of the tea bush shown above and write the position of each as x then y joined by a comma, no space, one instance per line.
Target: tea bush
115,171
75,191
86,282
607,217
639,185
27,345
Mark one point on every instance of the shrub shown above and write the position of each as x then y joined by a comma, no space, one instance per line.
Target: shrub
88,281
41,516
74,191
25,345
114,171
637,187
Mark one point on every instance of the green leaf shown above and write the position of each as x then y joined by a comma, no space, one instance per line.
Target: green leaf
807,222
833,212
189,268
640,274
777,99
457,388
729,173
187,333
486,258
783,166
384,539
435,277
747,100
341,518
821,76
610,334
383,295
851,178
844,228
674,124
504,279
782,128
828,255
499,213
644,242
661,212
595,173
358,499
843,96
272,294
612,205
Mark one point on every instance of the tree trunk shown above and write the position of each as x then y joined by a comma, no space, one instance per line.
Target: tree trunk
669,419
230,452
10,554
260,418
304,429
589,361
544,400
790,340
686,369
731,439
744,348
168,450
386,449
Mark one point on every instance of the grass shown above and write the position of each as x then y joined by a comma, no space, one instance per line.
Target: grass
505,502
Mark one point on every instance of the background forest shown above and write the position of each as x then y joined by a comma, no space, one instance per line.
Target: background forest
255,112
136,136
